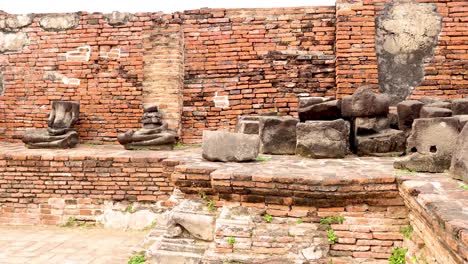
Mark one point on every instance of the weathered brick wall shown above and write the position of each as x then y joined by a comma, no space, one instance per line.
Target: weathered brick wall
356,60
254,60
261,59
445,74
107,81
163,69
34,187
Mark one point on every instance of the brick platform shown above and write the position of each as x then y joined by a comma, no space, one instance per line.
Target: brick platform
48,186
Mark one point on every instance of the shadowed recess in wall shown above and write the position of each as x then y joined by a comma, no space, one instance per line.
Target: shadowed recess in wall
406,35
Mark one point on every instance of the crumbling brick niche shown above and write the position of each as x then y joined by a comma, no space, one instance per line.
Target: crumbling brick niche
406,35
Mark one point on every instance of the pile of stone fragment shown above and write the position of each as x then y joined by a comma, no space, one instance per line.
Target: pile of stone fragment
362,124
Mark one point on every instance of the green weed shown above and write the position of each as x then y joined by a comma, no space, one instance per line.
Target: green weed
406,230
398,256
138,258
268,218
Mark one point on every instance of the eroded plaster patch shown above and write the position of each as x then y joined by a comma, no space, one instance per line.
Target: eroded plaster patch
13,41
14,22
59,22
118,18
406,35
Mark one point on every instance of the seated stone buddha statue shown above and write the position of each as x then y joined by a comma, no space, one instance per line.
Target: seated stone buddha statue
59,133
154,135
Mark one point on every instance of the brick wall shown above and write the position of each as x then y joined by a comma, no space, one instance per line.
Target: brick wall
109,86
45,189
445,74
163,69
261,59
356,60
249,61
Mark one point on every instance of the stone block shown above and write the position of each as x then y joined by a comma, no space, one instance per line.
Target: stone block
369,125
364,103
248,125
308,101
329,110
459,164
460,106
226,146
422,163
430,112
430,135
323,139
278,135
431,143
462,120
442,104
408,111
389,142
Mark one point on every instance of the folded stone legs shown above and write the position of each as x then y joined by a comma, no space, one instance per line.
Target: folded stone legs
40,138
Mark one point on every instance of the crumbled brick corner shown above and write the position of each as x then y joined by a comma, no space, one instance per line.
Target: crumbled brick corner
59,22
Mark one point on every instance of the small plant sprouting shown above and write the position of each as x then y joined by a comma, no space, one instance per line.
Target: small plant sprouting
74,222
202,195
332,236
231,240
150,226
406,230
398,256
130,208
464,187
268,218
138,258
210,205
209,202
299,221
179,145
262,158
71,222
330,220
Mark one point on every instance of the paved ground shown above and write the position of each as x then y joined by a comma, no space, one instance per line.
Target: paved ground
60,245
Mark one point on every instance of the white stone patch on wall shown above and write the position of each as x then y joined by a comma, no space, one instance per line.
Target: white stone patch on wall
113,54
221,101
70,81
80,54
55,76
13,41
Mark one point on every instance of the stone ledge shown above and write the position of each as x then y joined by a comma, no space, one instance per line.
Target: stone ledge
439,203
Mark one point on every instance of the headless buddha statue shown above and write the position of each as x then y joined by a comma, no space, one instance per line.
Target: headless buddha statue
154,135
